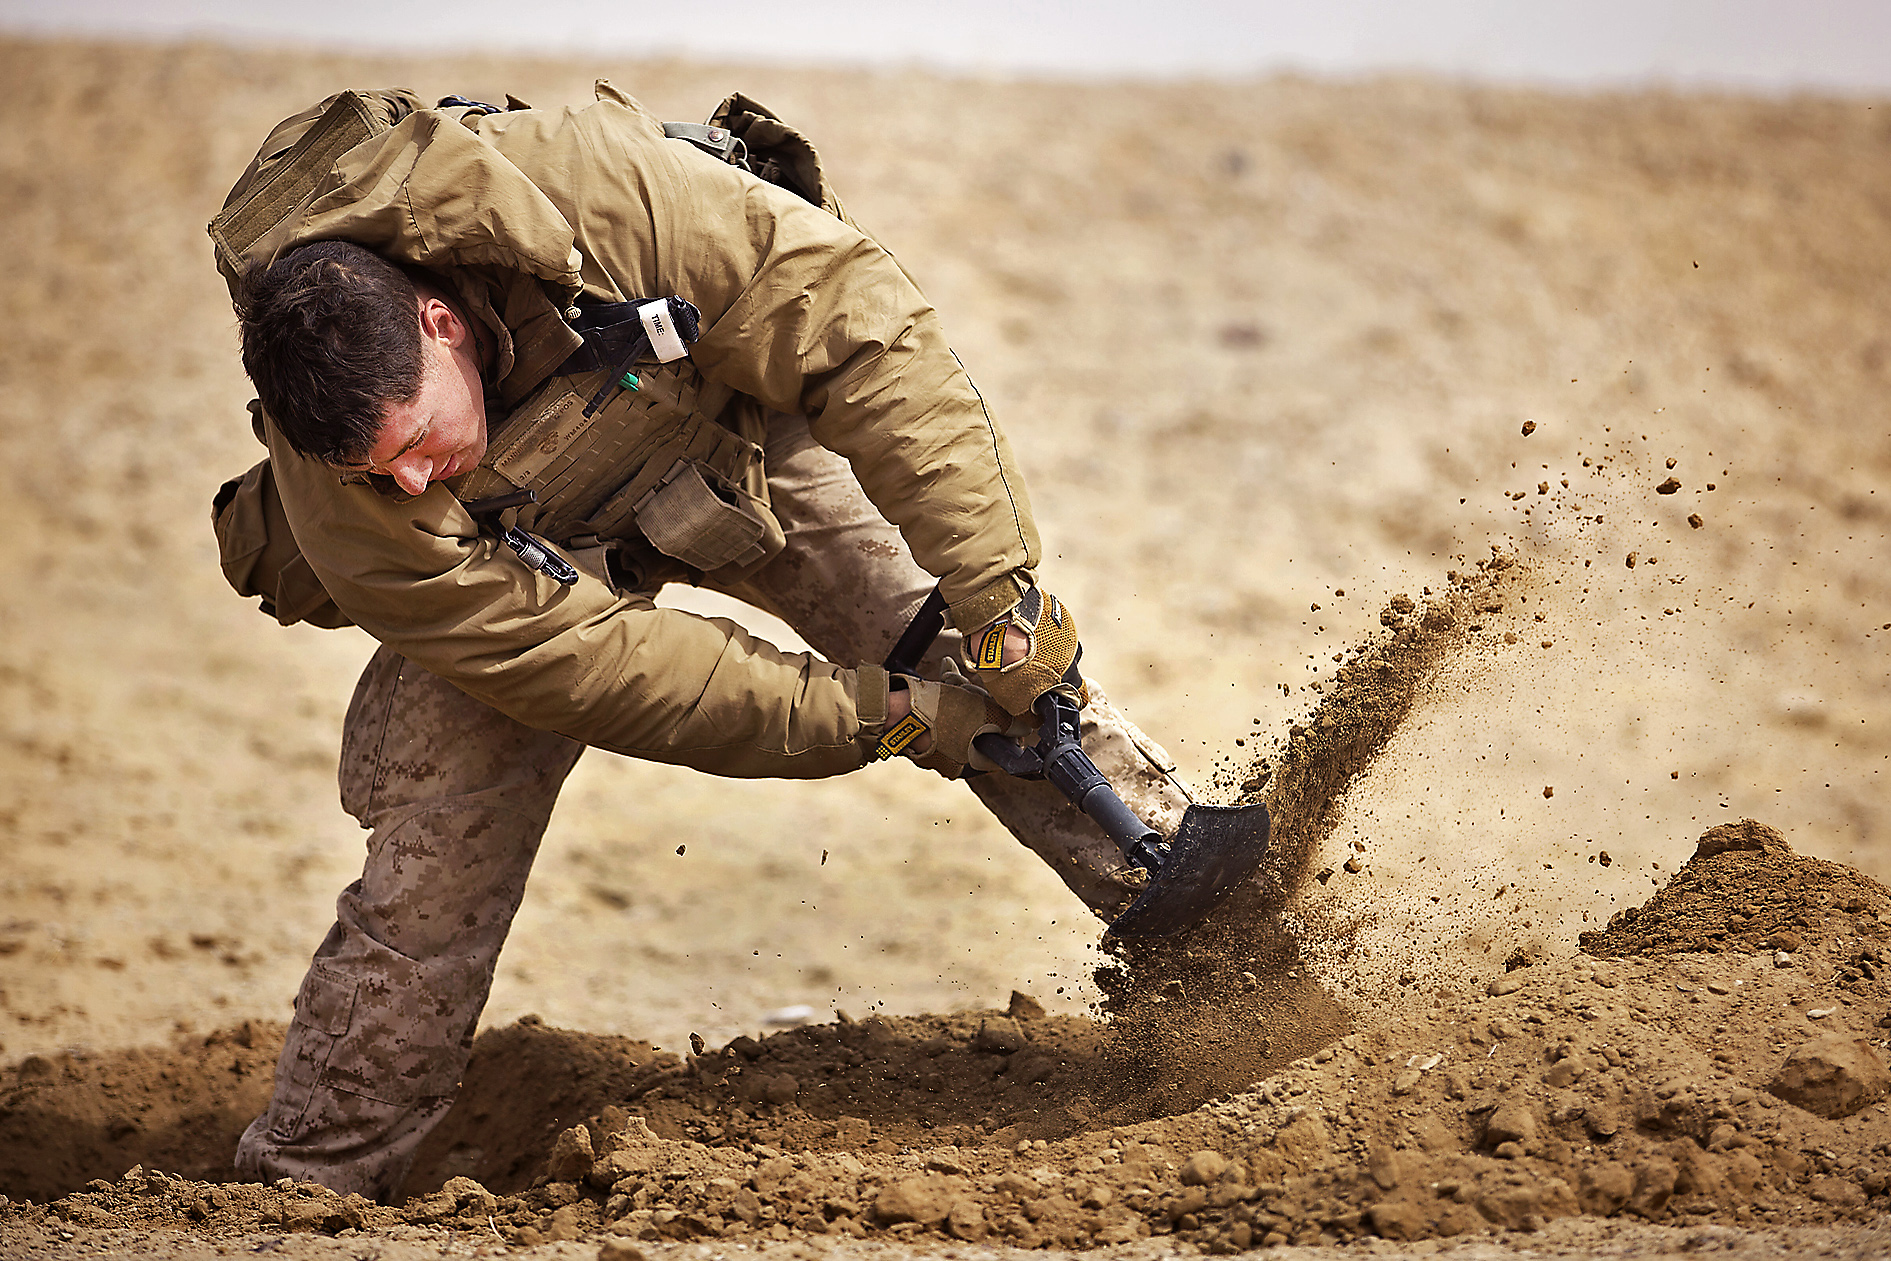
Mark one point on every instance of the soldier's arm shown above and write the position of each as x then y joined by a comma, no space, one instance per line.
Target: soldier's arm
616,672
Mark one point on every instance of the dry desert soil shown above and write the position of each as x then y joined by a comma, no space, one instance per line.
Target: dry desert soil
1495,482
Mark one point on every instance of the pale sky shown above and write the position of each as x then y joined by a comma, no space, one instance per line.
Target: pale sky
1770,45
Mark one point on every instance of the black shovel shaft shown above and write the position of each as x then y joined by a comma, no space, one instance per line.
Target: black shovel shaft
920,632
1068,767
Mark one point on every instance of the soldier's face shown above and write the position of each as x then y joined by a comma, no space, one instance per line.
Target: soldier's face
441,431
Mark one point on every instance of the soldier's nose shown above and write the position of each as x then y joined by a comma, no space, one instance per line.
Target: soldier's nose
411,476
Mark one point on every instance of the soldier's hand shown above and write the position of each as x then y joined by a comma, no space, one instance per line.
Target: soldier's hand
934,724
1028,652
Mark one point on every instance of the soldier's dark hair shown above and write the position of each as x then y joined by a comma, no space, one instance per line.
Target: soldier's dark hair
331,338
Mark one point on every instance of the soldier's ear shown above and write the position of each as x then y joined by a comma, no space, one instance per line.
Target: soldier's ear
440,322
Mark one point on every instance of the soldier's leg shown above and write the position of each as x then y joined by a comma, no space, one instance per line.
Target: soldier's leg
457,796
848,585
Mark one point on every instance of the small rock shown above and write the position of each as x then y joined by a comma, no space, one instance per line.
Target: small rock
1506,984
620,1250
1203,1168
966,1220
771,1173
1392,1219
1526,1205
565,1225
1510,1123
1782,960
1669,486
572,1156
302,1215
1654,1184
1838,1192
1832,1076
469,1196
926,1199
1605,1189
1406,1082
1385,1166
1024,1007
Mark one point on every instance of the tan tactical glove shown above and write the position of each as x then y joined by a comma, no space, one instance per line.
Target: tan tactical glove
1051,648
951,714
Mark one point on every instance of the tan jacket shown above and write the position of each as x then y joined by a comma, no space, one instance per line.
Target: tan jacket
522,211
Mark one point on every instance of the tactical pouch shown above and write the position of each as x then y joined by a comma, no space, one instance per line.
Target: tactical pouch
260,556
692,488
706,521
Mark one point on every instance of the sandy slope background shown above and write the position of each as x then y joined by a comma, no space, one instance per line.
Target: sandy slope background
1268,352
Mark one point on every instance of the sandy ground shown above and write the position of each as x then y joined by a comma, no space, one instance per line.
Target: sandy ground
1268,352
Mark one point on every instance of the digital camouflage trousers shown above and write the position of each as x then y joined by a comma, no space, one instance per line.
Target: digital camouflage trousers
456,797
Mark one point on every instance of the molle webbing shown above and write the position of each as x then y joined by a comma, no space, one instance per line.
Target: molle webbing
593,475
576,462
272,200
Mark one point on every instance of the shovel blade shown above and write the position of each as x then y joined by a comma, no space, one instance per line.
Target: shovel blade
1215,850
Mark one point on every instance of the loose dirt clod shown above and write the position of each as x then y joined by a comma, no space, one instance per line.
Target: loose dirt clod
1832,1076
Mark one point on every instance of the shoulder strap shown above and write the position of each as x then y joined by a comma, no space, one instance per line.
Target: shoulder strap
743,132
717,142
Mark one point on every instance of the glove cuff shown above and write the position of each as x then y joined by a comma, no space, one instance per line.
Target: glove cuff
990,602
870,708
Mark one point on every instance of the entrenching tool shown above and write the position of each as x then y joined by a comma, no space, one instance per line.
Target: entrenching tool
1213,851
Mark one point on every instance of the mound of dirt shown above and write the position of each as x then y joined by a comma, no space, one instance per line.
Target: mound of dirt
1653,1085
68,1119
1745,890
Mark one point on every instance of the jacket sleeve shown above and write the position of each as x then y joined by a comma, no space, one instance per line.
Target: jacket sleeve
805,313
615,672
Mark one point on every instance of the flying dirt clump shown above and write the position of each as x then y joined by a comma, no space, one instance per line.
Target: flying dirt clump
1220,1005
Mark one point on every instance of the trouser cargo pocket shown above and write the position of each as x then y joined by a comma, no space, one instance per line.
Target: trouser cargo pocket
324,1008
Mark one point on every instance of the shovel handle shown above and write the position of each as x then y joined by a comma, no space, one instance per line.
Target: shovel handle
1068,767
1058,756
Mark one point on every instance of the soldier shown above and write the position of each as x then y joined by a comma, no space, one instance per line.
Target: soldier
493,436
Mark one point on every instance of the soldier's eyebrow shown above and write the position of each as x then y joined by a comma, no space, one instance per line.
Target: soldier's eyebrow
371,465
